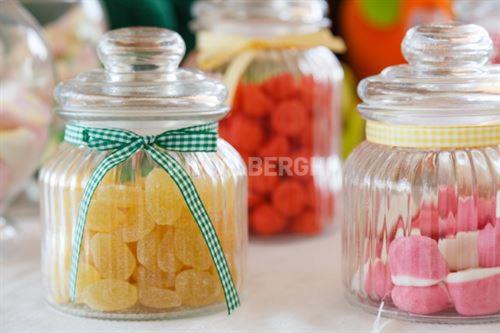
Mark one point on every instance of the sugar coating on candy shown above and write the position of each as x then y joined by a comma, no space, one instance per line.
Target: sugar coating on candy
289,117
475,291
378,279
289,198
488,246
112,257
416,261
134,224
460,252
110,295
191,249
421,300
87,275
167,261
265,220
196,288
164,201
158,298
153,278
147,249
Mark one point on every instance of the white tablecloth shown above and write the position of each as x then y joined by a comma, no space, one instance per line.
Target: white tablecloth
293,286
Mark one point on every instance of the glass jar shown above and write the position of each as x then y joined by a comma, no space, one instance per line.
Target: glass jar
142,256
26,84
421,231
285,106
72,29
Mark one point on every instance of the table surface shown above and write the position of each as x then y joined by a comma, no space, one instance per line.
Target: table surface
292,286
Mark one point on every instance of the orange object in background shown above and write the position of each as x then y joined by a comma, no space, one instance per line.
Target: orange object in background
373,30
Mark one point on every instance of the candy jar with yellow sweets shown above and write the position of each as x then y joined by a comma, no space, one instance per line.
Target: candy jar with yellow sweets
144,207
421,232
285,87
26,84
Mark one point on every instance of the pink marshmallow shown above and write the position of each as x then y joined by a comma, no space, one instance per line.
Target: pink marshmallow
488,246
485,212
378,279
475,292
427,220
460,252
467,214
416,261
421,300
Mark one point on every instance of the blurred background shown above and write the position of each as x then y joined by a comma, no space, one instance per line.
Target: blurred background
57,41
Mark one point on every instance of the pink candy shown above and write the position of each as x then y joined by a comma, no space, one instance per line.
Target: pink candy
416,261
378,279
475,291
421,300
488,246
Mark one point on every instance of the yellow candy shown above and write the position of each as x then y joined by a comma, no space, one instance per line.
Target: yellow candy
167,260
134,224
196,288
163,199
87,275
147,249
154,278
158,298
190,248
110,295
112,258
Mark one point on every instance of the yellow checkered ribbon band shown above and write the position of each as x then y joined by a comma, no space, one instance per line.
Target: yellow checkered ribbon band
432,136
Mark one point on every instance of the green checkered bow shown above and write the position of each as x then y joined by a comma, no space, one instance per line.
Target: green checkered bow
123,145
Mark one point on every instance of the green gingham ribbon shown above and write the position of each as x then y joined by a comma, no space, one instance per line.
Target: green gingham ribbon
122,145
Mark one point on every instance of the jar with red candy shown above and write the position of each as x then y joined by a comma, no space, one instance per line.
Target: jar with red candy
284,81
421,231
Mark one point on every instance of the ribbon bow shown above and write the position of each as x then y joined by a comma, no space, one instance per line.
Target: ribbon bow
125,144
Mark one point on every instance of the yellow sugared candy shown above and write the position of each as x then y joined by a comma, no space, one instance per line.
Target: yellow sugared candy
112,257
196,288
153,278
164,201
147,249
134,224
167,261
191,249
110,295
158,298
87,275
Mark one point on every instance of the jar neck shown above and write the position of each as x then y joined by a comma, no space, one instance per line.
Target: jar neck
257,29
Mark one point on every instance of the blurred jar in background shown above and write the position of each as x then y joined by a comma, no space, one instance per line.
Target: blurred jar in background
72,29
484,13
364,21
26,84
285,91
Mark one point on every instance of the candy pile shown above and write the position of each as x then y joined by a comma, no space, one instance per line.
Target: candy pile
24,121
142,248
432,268
281,125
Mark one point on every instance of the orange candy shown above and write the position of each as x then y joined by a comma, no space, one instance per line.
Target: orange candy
289,198
265,220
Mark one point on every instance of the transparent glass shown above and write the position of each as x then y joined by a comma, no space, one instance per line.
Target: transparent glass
421,231
141,251
72,29
26,84
285,116
142,255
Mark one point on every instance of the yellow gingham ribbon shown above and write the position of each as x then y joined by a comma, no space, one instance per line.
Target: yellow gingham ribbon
432,136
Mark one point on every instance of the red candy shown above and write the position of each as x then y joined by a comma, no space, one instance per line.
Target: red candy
306,224
265,220
276,147
281,86
245,133
262,184
255,102
289,117
289,198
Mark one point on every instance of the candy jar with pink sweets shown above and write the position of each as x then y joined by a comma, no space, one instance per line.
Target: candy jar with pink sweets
421,231
26,83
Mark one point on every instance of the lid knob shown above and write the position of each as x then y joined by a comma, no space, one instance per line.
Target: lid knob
141,49
449,45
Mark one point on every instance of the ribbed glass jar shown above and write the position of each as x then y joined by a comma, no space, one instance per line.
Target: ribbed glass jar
421,231
285,112
142,254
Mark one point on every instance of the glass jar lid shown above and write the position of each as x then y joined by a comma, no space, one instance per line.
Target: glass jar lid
260,18
447,80
141,80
